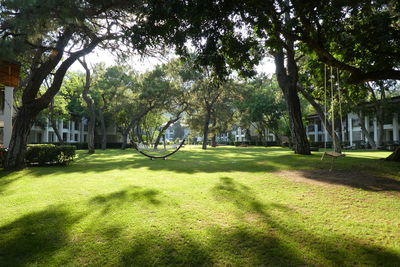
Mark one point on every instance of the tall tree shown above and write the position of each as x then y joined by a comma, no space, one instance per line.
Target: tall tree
91,108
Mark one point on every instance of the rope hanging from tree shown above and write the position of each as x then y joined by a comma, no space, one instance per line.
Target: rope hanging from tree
332,154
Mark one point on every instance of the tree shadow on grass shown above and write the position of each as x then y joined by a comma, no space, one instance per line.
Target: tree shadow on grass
153,250
127,196
351,178
7,178
265,240
334,249
35,237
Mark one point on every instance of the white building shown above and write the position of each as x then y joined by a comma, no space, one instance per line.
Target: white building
6,114
240,134
352,133
74,131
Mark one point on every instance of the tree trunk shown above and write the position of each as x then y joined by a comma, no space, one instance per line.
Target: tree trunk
91,129
103,130
395,156
124,140
91,108
139,133
214,141
56,131
321,115
381,133
22,126
206,129
278,139
366,132
161,133
32,104
288,83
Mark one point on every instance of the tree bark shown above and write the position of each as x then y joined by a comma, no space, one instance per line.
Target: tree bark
54,123
103,130
135,121
31,105
91,108
287,80
381,133
206,129
395,156
214,140
19,138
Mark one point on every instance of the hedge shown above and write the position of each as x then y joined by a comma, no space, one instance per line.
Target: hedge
45,154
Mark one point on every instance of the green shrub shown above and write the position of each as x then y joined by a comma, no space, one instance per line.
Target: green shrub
49,154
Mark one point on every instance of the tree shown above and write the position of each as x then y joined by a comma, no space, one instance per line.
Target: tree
90,105
50,37
340,32
209,93
262,106
104,92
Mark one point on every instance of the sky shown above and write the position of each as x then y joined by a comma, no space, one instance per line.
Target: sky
139,64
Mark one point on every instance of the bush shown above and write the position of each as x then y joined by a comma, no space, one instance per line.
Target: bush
3,154
49,154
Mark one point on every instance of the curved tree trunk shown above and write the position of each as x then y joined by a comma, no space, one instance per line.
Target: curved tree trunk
91,108
19,139
287,80
395,156
164,128
32,103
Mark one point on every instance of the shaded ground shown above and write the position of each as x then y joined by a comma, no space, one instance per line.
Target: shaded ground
357,179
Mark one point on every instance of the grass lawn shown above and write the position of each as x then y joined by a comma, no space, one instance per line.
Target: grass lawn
224,206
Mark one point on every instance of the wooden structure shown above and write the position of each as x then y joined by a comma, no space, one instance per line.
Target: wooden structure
9,73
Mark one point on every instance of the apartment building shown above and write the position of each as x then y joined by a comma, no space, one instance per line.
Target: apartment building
73,131
352,132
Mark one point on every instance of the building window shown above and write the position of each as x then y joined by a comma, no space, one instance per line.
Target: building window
64,137
85,128
65,125
76,126
76,137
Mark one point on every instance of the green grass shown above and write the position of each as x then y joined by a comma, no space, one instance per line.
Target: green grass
224,206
